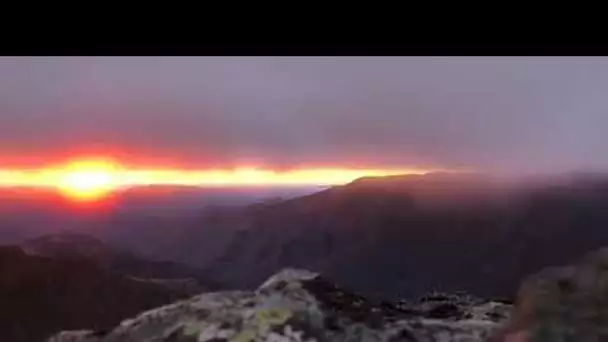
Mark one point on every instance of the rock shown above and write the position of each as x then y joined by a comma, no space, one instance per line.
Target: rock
563,304
456,307
297,306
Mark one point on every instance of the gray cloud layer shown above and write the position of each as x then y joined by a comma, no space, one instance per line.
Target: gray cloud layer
492,113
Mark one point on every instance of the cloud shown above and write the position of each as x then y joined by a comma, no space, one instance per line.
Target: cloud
489,113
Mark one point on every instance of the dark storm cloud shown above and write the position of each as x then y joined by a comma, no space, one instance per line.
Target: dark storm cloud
494,113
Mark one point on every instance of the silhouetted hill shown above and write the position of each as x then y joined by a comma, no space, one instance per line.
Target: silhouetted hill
406,235
67,246
41,295
70,245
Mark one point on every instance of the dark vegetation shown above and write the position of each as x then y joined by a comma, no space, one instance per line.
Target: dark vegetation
40,296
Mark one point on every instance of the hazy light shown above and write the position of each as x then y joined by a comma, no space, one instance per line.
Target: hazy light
89,179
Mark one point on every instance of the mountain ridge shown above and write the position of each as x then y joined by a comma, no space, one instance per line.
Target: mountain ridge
462,243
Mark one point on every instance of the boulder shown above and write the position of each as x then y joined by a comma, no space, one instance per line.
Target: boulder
567,303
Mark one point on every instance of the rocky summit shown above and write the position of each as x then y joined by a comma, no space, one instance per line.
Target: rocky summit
297,305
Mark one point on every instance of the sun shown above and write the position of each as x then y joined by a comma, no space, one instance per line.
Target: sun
88,180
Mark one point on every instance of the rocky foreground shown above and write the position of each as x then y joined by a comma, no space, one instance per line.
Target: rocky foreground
297,305
560,304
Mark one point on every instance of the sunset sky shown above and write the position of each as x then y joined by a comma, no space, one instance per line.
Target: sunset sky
496,114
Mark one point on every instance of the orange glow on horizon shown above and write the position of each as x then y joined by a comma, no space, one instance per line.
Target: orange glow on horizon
87,180
94,178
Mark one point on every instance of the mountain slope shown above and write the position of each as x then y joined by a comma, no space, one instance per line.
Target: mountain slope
402,236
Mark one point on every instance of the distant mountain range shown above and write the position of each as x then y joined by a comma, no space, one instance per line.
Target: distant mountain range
128,217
